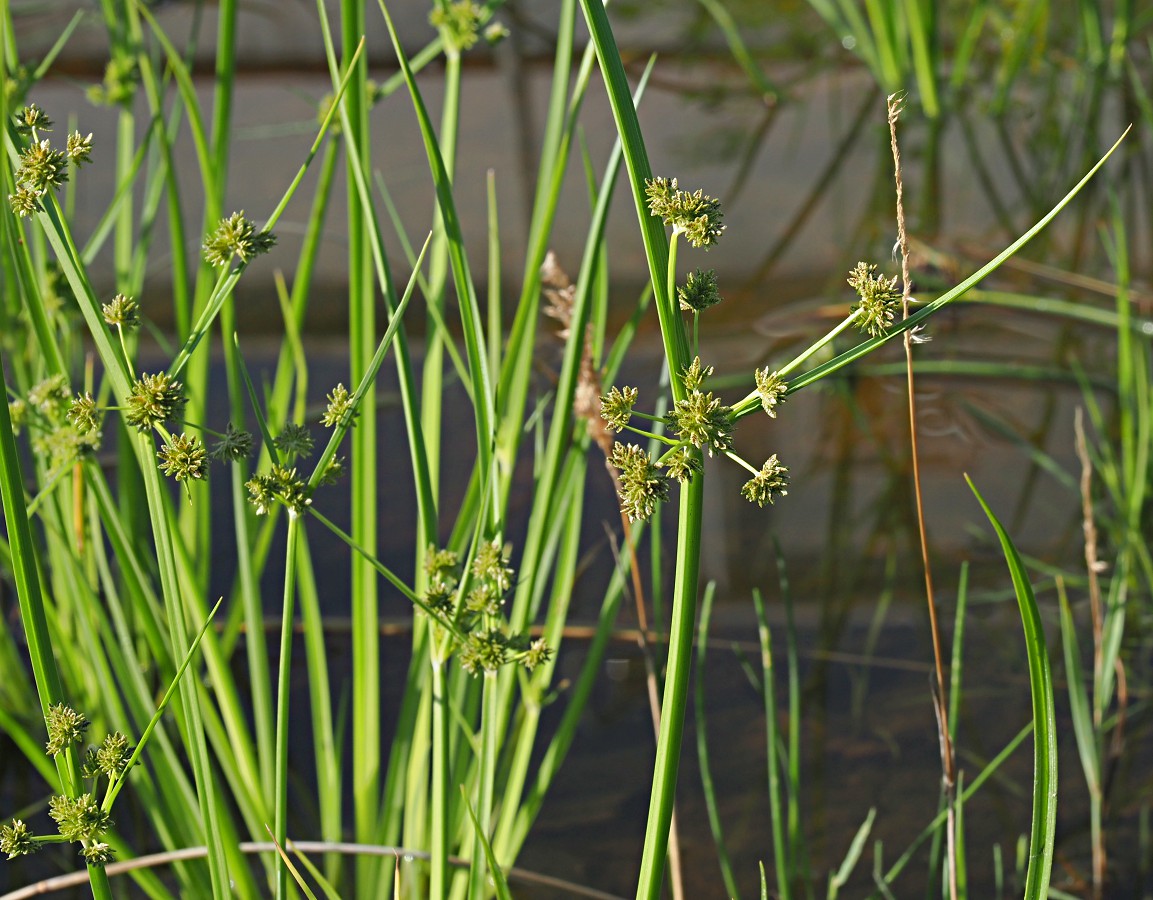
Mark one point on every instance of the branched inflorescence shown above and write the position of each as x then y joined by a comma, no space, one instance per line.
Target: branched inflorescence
43,168
483,642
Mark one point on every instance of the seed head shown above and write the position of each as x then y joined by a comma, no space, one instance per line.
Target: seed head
682,463
98,853
233,447
491,565
50,396
538,652
294,440
486,650
112,756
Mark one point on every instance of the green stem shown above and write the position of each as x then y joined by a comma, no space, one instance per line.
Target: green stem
283,685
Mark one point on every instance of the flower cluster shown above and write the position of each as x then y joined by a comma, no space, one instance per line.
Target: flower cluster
236,236
699,292
66,727
767,484
281,483
458,22
485,643
121,312
43,168
700,418
642,484
183,457
339,408
771,388
697,216
153,400
879,299
617,407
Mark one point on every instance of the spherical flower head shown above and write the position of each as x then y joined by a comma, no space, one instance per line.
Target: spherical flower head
112,756
339,407
234,446
771,388
79,148
484,650
495,32
696,215
617,407
291,489
682,463
153,400
122,312
41,167
32,118
459,22
18,413
78,818
64,444
236,236
642,485
484,599
767,484
25,201
695,375
17,839
261,493
121,77
880,299
66,727
83,414
699,292
183,457
294,441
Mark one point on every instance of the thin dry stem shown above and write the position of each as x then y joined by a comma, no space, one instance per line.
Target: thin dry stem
1092,562
940,698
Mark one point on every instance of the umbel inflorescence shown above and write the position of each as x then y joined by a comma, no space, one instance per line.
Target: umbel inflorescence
700,421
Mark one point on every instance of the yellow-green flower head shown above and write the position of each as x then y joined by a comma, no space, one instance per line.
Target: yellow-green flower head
642,485
339,407
235,445
699,292
41,167
32,118
880,299
617,407
183,457
121,312
153,400
771,388
17,839
697,216
78,818
767,484
236,236
459,22
66,727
